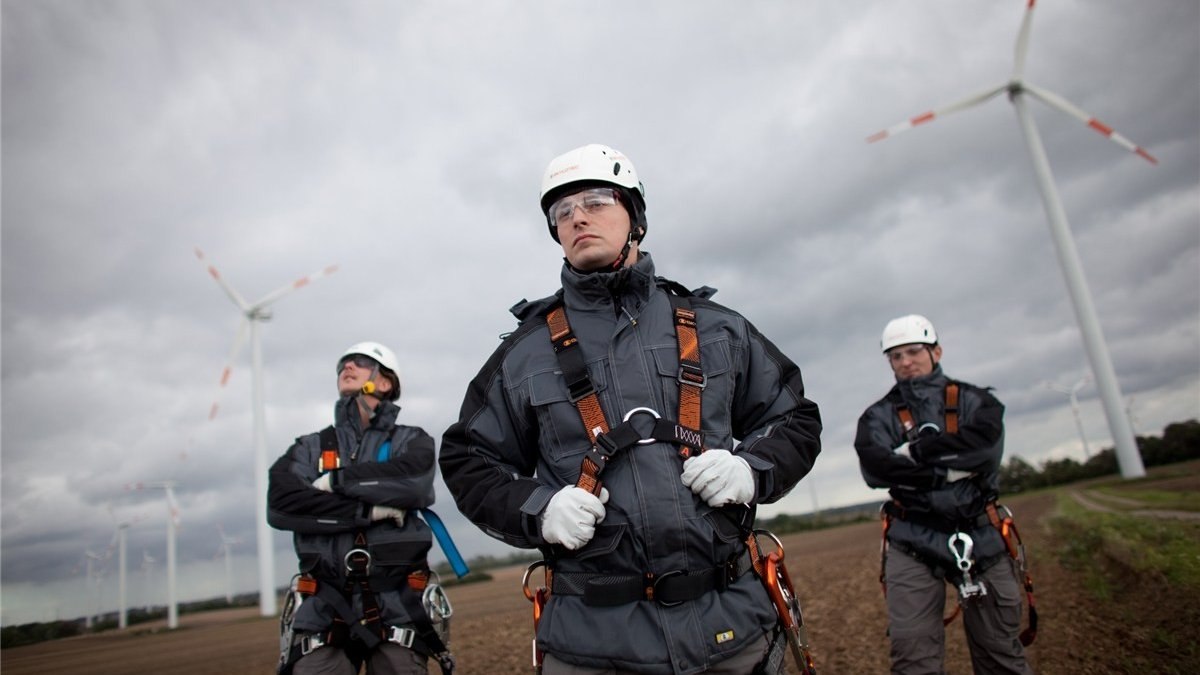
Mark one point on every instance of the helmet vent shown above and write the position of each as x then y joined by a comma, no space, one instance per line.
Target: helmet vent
616,168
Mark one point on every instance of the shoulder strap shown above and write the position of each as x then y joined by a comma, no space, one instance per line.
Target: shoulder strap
329,459
692,379
580,390
952,408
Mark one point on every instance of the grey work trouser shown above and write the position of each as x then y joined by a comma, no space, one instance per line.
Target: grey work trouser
386,659
915,602
739,664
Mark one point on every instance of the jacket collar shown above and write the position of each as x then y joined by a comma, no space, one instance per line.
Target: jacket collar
631,286
923,387
346,413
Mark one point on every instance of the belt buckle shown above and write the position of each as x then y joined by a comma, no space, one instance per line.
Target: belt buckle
657,581
353,556
311,643
401,636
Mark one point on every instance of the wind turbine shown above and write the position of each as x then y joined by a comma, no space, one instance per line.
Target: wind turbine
119,536
252,315
168,486
226,548
1072,393
92,582
1085,313
148,563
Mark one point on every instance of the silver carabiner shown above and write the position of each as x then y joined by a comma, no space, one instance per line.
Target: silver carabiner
963,560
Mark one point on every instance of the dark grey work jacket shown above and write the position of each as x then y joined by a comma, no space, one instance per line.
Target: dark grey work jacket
325,523
519,440
932,508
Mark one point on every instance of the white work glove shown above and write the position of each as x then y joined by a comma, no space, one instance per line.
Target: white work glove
571,516
324,482
719,477
903,451
954,475
385,512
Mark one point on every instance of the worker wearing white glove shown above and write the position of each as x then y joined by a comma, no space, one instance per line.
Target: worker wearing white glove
719,477
571,516
385,512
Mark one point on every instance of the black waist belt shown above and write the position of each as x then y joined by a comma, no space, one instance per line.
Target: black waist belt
933,521
669,588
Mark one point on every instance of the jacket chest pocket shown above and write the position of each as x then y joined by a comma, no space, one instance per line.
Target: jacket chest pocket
716,363
561,431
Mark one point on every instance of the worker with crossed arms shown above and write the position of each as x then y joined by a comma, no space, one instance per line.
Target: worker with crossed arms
936,445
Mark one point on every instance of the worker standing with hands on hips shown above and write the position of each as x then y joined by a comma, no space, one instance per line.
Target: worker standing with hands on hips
350,494
626,429
936,444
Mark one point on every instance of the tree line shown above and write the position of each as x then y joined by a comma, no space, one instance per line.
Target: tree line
1179,442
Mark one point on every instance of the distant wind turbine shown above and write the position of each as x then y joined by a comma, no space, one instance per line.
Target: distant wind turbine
119,536
148,563
168,486
1089,325
1072,394
252,315
226,549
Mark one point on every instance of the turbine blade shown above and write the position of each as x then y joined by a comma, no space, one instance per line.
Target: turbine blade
1055,101
1023,41
229,290
931,115
297,284
239,339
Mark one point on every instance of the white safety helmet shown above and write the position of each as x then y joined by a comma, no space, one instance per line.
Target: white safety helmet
595,164
907,330
384,356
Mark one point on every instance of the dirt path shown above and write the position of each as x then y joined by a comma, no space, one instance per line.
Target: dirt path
836,572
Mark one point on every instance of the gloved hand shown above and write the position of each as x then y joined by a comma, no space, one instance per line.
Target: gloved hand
324,482
904,450
385,512
719,477
571,516
954,475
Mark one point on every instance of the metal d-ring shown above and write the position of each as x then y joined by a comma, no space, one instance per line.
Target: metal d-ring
647,411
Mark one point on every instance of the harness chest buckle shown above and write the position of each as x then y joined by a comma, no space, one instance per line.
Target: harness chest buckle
692,375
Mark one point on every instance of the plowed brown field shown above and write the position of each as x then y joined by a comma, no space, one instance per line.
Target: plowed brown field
836,572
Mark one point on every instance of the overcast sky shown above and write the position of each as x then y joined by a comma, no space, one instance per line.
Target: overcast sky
405,142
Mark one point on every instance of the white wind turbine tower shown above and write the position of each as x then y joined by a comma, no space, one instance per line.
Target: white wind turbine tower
1089,325
92,582
168,486
119,536
226,548
252,315
148,563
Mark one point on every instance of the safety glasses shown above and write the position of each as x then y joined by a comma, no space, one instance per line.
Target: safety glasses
898,354
360,360
592,201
